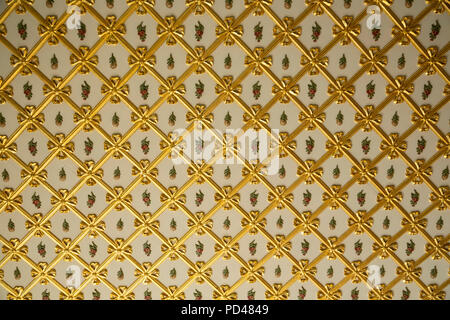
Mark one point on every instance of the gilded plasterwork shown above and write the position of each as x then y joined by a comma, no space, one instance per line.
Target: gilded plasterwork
90,125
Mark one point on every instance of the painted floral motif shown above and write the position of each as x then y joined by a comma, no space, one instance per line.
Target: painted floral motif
306,198
258,32
145,145
197,295
91,200
172,119
405,293
65,226
36,199
92,249
81,32
330,272
88,146
316,31
143,89
287,4
17,274
170,62
227,61
370,89
332,224
255,146
339,118
414,198
120,274
309,145
27,90
199,248
283,118
199,29
347,4
312,89
2,120
382,271
280,222
435,29
169,3
225,273
173,225
254,198
227,119
49,3
199,145
301,293
305,247
146,198
427,88
172,173
5,175
41,249
22,29
433,272
59,119
142,31
11,226
365,145
282,172
439,223
355,294
226,223
256,90
119,225
85,90
147,295
401,61
409,3
199,88
110,4
115,120
252,247
376,33
277,271
285,62
410,246
358,247
147,247
199,196
54,62
227,173
112,61
395,119
421,144
62,174
251,294
96,295
228,4
390,172
386,223
361,197
173,273
32,147
45,295
444,174
336,172
342,62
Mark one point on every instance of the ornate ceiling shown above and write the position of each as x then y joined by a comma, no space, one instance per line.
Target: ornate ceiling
94,205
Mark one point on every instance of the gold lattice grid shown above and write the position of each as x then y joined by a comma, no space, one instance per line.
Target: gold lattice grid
345,31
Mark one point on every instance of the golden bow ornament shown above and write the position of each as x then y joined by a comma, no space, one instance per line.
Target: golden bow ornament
171,90
286,90
287,31
24,62
33,174
200,60
173,198
142,61
87,118
112,30
57,91
88,170
347,31
315,61
171,30
83,60
115,89
63,201
227,90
